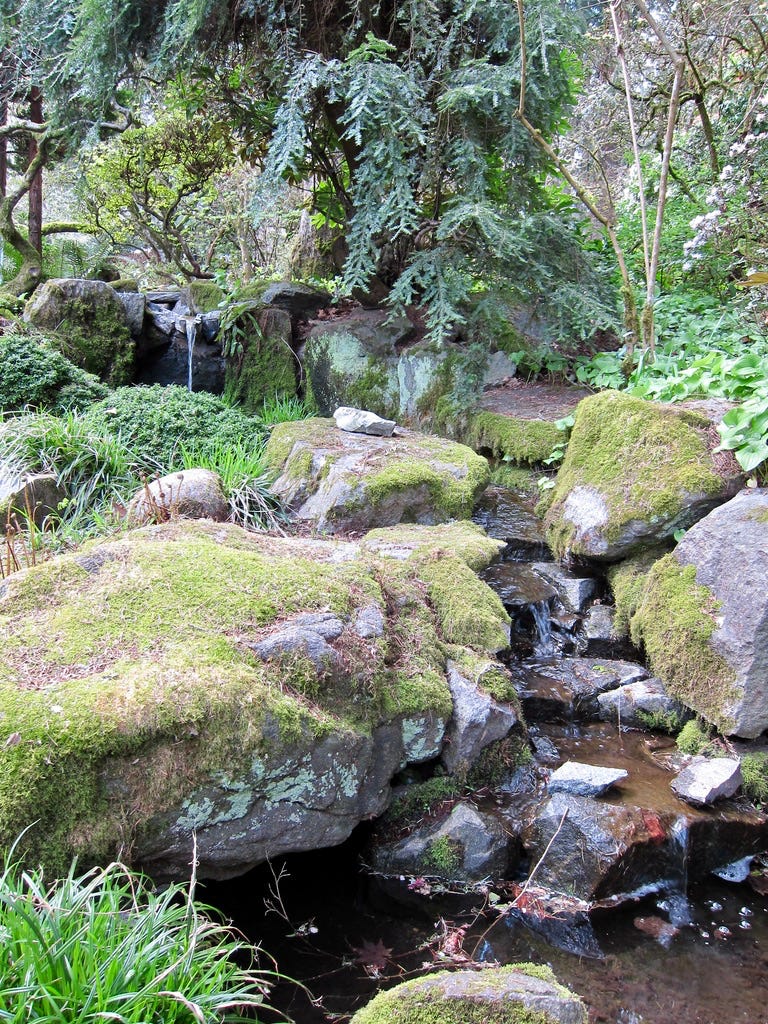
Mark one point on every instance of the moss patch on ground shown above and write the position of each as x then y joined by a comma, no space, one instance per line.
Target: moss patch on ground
642,459
674,619
523,442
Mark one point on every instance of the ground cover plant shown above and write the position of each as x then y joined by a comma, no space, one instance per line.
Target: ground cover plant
105,946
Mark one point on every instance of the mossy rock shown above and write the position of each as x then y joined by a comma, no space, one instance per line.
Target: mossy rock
263,364
138,704
204,296
348,483
513,439
87,322
353,362
701,613
633,474
517,994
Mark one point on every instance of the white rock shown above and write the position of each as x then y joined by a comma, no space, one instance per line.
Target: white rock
360,421
584,779
708,779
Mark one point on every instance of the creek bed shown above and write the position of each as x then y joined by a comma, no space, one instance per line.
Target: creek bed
703,977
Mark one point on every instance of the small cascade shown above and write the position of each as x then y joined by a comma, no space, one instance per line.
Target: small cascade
680,840
190,330
542,629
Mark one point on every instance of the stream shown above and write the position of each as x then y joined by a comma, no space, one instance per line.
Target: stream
648,934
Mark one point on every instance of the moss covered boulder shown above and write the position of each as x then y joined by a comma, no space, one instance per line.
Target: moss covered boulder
261,363
342,482
634,473
701,614
518,994
87,321
194,680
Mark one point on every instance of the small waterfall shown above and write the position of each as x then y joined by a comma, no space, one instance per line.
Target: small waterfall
679,841
542,625
190,329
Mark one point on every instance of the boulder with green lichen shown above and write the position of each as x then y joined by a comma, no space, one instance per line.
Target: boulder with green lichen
192,678
346,483
87,321
517,994
634,473
702,616
526,442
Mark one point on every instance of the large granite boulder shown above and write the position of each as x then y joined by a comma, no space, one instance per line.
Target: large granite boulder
499,995
342,482
89,323
256,694
634,473
702,615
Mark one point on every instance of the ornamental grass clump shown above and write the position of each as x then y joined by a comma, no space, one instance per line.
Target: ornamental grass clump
103,947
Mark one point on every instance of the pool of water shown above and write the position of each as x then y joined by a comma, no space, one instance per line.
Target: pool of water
329,921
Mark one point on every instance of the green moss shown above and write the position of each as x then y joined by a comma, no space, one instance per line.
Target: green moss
661,721
468,611
498,761
627,580
264,365
674,620
204,296
312,433
414,803
420,1002
694,738
526,442
754,774
343,372
644,460
462,539
443,856
516,478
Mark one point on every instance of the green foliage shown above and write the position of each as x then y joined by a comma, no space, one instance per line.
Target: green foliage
754,775
412,803
246,481
443,856
661,721
98,470
154,185
705,349
498,761
694,737
104,946
34,373
156,421
284,409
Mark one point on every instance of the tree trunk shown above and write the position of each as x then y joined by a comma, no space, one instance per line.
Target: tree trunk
36,186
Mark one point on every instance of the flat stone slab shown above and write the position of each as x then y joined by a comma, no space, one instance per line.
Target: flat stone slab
706,780
584,779
633,703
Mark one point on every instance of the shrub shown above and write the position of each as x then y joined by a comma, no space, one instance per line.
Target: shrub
156,421
33,373
102,946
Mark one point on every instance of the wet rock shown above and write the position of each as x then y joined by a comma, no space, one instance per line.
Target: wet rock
706,780
134,304
634,472
574,591
518,585
476,722
599,632
360,421
584,779
561,920
640,704
188,494
504,995
556,690
342,482
504,517
467,846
